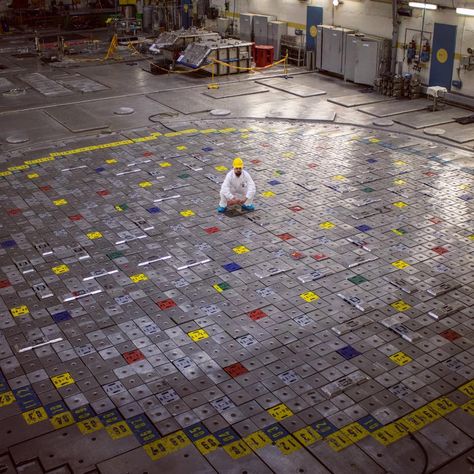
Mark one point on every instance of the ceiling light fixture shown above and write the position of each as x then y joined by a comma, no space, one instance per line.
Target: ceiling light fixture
426,6
465,11
335,3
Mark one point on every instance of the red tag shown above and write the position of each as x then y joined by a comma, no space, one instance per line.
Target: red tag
75,217
450,335
436,220
147,153
5,283
297,255
439,250
285,236
430,173
236,369
14,212
212,230
104,192
257,314
45,188
312,165
296,208
133,356
320,256
166,304
256,162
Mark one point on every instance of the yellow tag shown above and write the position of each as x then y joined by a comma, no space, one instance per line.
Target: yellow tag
20,167
396,231
94,235
307,436
338,441
35,416
139,277
62,380
181,147
60,202
244,135
443,405
62,419
400,204
469,407
309,296
176,441
374,140
416,420
227,130
400,358
60,269
208,130
240,249
339,177
187,213
111,161
288,445
145,184
327,225
258,440
400,163
33,175
221,168
156,449
390,433
468,389
90,425
217,288
354,432
165,164
268,194
6,398
19,310
428,413
399,181
237,449
400,264
198,335
400,305
5,173
470,237
280,412
119,430
207,444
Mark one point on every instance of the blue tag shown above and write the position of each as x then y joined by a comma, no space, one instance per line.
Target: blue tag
154,210
110,417
196,432
26,398
275,431
99,170
364,228
8,244
62,316
4,387
208,148
370,423
83,413
348,352
232,267
324,427
142,428
55,408
274,182
226,436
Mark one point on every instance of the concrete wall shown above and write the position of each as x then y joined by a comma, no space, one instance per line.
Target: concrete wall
370,17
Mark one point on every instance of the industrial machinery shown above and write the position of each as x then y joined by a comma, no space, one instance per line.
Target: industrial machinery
169,45
331,48
367,57
236,53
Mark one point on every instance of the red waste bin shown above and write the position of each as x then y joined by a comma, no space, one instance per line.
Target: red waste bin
263,55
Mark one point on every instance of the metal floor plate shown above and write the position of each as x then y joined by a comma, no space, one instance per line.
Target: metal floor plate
77,118
359,99
425,119
291,86
458,133
395,107
235,90
186,102
141,331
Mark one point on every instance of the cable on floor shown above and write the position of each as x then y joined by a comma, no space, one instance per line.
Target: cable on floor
425,453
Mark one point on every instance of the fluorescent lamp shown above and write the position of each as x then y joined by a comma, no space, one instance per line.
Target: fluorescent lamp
428,6
465,11
335,2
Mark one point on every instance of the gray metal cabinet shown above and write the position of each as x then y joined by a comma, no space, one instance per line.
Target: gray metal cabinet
260,28
367,62
275,30
331,48
246,26
351,52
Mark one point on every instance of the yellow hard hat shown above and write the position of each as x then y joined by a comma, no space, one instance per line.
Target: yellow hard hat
238,163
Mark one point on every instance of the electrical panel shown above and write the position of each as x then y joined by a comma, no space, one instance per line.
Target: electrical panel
260,28
331,48
275,31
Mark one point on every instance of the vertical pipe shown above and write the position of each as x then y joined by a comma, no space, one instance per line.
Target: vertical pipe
394,36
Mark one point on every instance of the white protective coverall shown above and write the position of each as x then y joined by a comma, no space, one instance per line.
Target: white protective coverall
237,187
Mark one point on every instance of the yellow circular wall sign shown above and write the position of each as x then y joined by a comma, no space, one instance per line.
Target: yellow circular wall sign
442,55
313,31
